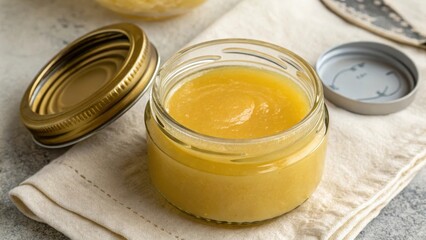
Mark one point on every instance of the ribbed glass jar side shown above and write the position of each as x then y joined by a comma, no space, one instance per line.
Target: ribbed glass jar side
235,180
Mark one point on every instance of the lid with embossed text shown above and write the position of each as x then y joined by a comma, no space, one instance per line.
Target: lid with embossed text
368,78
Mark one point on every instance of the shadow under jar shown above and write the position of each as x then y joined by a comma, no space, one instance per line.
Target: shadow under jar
235,180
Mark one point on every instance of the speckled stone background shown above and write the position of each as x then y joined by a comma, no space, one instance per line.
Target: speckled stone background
31,31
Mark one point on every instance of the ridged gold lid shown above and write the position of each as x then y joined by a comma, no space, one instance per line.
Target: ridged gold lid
89,84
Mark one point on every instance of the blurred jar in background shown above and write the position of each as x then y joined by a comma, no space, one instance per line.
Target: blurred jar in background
151,9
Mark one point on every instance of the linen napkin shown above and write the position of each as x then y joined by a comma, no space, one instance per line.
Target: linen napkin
100,188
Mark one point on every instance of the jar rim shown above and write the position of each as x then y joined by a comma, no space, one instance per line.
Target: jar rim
317,104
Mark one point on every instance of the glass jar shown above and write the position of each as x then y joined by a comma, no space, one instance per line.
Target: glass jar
151,9
235,180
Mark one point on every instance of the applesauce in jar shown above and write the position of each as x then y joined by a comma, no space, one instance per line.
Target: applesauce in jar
236,131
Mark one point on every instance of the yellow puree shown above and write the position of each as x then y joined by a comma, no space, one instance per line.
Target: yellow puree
236,103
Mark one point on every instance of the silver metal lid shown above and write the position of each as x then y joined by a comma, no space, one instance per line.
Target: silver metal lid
368,78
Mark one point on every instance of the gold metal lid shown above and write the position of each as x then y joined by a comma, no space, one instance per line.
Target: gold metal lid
89,84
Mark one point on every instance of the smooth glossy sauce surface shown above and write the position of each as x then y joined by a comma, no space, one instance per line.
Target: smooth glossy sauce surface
238,103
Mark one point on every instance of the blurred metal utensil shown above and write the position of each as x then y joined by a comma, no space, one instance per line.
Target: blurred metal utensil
379,18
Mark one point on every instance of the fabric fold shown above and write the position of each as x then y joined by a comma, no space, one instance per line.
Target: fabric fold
357,220
31,202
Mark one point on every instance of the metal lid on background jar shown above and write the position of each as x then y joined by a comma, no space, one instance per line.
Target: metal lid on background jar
89,84
368,78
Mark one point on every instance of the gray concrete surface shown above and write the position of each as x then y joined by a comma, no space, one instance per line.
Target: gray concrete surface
403,218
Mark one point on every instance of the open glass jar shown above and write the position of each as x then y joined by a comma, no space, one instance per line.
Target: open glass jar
235,180
151,9
99,76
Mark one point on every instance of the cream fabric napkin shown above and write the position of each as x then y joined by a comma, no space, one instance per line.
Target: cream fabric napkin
100,188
